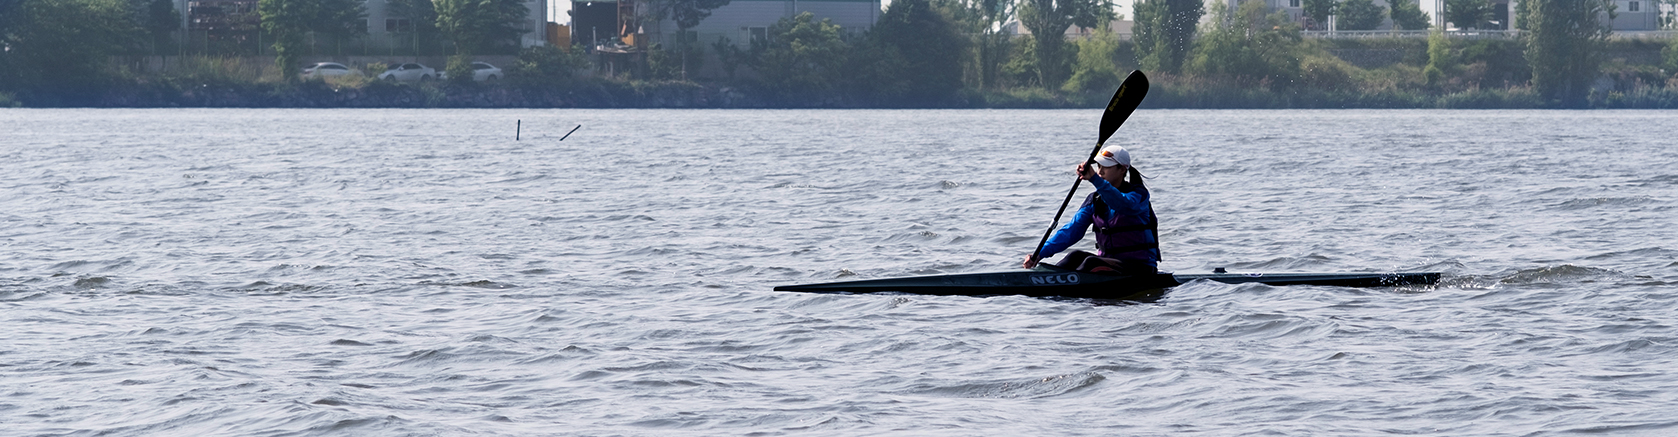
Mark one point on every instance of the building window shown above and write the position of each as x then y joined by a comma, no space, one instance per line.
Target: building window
394,25
1293,3
1633,7
757,35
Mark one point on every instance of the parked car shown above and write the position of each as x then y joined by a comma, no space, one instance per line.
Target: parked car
409,72
328,69
481,71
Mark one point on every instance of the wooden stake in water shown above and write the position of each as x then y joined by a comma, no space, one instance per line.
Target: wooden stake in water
518,129
568,134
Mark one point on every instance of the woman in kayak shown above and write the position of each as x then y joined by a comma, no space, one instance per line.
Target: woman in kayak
1127,233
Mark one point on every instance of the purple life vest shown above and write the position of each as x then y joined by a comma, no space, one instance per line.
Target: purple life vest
1127,238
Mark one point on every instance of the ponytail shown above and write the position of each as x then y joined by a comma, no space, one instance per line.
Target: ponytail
1135,180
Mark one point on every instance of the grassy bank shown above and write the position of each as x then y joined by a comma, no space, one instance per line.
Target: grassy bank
599,93
1348,73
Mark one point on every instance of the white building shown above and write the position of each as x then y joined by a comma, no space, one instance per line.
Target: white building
740,21
386,32
1629,15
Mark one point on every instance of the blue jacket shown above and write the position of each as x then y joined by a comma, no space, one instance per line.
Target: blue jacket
1129,218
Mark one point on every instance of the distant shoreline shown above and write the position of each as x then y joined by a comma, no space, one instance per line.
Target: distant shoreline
598,93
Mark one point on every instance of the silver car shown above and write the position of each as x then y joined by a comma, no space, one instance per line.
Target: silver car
328,69
481,71
409,72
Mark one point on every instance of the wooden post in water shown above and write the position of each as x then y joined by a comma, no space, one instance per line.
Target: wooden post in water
568,134
518,129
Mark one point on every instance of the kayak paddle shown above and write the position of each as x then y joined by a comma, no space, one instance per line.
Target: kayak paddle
1124,102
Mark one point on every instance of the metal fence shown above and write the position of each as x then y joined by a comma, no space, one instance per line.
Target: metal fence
1471,34
1453,34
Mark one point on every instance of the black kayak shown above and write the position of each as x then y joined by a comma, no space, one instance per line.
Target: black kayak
1052,281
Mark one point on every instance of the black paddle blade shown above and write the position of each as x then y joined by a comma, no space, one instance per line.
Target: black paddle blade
1124,102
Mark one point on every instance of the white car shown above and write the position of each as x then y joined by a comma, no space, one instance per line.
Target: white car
481,71
409,72
328,69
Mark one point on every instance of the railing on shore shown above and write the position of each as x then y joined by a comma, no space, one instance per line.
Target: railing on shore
1470,34
1453,34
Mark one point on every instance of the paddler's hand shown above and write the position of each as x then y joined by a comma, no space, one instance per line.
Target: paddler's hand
1030,261
1085,172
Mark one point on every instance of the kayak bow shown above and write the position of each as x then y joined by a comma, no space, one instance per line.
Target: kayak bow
1053,281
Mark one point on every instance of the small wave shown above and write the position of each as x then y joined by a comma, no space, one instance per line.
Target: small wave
92,282
1556,274
1625,346
282,288
1285,263
1587,203
1658,180
1035,388
485,284
1647,252
1272,326
20,296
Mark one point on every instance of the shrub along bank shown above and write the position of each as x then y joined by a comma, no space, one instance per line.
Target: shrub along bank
916,56
1368,73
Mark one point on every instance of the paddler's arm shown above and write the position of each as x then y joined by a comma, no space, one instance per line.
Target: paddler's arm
1064,237
1122,203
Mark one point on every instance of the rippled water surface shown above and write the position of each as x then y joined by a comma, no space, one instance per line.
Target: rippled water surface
420,272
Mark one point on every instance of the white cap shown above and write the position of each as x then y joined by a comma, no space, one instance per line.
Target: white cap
1113,155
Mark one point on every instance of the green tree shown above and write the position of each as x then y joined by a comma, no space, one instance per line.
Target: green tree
729,55
63,48
1519,12
1670,54
1318,11
1164,32
543,65
480,26
341,20
1441,59
1360,15
1469,14
421,19
288,22
1249,46
686,14
1408,15
8,73
984,20
1667,14
802,56
1048,21
458,69
162,19
1094,71
1564,44
914,56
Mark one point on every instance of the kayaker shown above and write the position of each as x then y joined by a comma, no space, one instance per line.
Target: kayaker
1127,233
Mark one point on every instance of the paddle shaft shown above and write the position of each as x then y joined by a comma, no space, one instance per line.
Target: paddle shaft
1038,254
